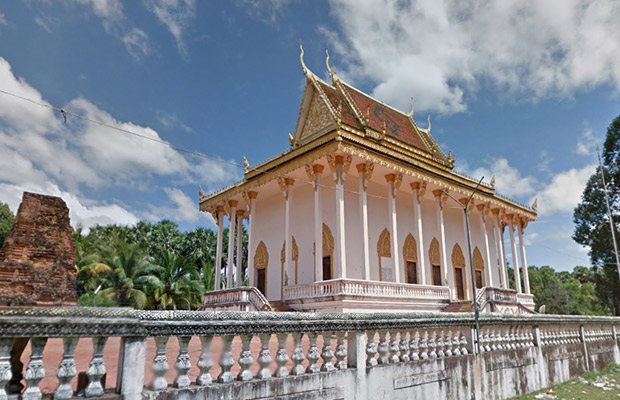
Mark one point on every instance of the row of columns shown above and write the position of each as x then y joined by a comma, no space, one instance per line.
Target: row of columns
234,272
339,165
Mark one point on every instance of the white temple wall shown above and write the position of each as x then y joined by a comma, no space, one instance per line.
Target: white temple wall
406,225
430,227
302,228
269,227
378,220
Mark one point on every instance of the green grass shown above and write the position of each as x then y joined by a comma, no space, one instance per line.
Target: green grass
587,387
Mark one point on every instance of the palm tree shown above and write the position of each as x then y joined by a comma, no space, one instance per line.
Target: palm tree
181,285
133,274
90,272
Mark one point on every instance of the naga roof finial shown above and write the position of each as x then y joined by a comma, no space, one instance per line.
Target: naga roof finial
410,113
301,59
246,165
329,70
535,205
493,181
291,139
201,193
427,130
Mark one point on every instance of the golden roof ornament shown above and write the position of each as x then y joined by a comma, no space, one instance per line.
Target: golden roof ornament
246,165
493,181
201,193
427,130
291,139
410,113
329,70
301,59
535,205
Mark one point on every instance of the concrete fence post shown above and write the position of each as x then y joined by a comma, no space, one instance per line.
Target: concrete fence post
356,358
131,367
582,335
614,335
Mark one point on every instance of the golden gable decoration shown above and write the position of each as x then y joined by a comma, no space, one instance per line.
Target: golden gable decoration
433,252
383,244
410,249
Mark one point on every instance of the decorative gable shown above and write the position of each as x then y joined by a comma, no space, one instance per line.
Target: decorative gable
318,120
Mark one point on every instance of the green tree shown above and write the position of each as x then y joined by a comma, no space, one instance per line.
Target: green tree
6,221
592,226
133,276
181,285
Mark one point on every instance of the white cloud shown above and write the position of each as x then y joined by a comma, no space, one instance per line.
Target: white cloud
563,193
85,216
508,180
267,11
438,50
586,144
40,153
176,15
115,23
2,19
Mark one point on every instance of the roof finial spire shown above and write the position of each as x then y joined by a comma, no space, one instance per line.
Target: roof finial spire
329,70
301,59
410,113
427,130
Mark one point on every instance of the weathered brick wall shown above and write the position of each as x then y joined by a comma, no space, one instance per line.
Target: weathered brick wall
37,258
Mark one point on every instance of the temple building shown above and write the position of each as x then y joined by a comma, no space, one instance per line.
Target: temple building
364,213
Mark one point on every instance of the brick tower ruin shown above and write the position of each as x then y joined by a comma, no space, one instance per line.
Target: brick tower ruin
37,258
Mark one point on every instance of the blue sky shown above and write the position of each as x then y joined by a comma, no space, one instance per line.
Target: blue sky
519,90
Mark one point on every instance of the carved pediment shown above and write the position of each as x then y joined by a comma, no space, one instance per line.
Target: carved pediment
318,120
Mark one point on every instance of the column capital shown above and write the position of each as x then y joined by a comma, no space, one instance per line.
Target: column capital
365,170
314,171
252,194
232,203
240,213
396,180
441,197
284,183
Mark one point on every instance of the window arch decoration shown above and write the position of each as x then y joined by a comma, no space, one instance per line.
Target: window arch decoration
458,260
435,259
410,257
478,262
433,252
261,262
294,259
458,266
384,250
327,253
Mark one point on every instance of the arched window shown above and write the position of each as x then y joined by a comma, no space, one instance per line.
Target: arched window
261,261
410,255
458,263
288,280
478,269
384,252
328,253
433,255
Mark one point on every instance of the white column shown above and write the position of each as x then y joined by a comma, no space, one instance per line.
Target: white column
285,185
504,263
447,269
317,169
465,248
526,278
340,228
218,249
417,207
239,263
251,212
498,249
483,226
363,177
391,180
513,250
232,205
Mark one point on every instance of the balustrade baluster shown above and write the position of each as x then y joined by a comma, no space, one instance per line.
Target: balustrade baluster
298,355
226,360
394,359
341,351
183,364
313,355
327,354
513,345
282,356
66,370
487,339
245,359
447,341
432,344
507,338
96,368
35,370
371,349
413,346
463,342
160,364
404,347
5,365
456,343
440,343
423,345
383,348
204,362
482,339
